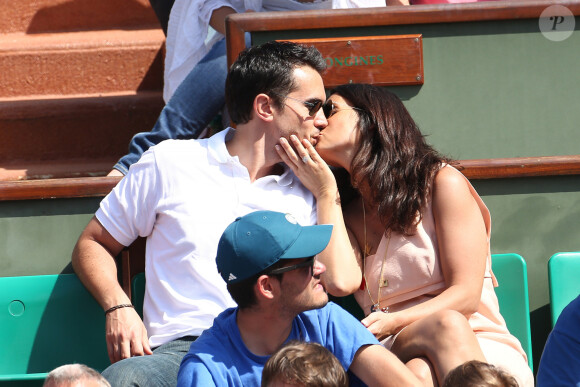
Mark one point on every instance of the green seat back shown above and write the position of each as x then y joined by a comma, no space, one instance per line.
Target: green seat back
512,293
138,292
564,281
47,321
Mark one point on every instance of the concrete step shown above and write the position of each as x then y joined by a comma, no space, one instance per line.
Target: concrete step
81,135
45,16
80,63
78,78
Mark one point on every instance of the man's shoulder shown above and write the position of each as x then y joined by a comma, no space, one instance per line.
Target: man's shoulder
214,351
329,308
170,146
176,153
205,361
331,320
193,148
216,339
210,351
327,326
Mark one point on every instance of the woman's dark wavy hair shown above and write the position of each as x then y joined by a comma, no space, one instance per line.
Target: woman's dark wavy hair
392,156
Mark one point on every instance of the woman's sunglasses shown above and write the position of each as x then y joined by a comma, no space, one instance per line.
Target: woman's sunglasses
328,107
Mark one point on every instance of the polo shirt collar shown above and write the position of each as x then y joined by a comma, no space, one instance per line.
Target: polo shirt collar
217,146
286,178
219,152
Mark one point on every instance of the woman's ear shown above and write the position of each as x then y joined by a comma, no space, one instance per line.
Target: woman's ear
263,107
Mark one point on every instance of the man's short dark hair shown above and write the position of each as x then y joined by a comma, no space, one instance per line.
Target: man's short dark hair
268,69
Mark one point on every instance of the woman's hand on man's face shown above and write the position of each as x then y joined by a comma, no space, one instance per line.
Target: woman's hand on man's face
307,164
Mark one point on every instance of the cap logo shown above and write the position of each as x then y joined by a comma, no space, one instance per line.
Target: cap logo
232,277
291,219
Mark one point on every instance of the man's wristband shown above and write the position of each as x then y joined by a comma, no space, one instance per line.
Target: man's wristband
118,307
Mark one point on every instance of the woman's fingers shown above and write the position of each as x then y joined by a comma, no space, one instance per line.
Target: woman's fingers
305,162
311,151
303,154
282,153
299,153
373,324
289,152
295,152
368,320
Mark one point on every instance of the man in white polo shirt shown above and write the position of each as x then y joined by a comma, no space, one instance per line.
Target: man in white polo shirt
182,194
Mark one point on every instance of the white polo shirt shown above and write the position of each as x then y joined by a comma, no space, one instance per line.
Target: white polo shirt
182,195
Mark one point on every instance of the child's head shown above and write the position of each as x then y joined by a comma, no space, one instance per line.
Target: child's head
303,364
75,375
479,374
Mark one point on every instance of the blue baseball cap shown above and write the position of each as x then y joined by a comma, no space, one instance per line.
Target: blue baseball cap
258,240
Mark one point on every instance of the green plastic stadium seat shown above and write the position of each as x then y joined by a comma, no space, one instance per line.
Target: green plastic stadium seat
47,321
138,292
564,281
512,293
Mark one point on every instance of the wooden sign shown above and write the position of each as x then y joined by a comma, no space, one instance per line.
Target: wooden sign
378,60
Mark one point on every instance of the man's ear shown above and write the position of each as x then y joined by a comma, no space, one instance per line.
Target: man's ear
266,287
263,107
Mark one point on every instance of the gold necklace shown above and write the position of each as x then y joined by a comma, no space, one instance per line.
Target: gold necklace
382,282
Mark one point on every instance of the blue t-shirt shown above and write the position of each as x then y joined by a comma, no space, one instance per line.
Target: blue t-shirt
219,356
560,362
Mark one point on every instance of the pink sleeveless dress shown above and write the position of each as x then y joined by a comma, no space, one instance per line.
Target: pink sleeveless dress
413,271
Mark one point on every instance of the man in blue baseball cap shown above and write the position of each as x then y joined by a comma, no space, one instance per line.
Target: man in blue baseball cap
269,264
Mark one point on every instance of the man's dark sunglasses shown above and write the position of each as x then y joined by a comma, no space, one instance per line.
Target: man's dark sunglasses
313,107
307,263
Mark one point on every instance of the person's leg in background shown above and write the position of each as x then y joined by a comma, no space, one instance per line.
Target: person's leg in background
162,10
197,100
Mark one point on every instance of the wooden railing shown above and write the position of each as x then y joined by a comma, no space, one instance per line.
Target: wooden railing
57,188
238,24
521,167
472,169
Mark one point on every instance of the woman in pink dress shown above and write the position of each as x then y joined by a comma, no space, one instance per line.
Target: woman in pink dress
419,231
